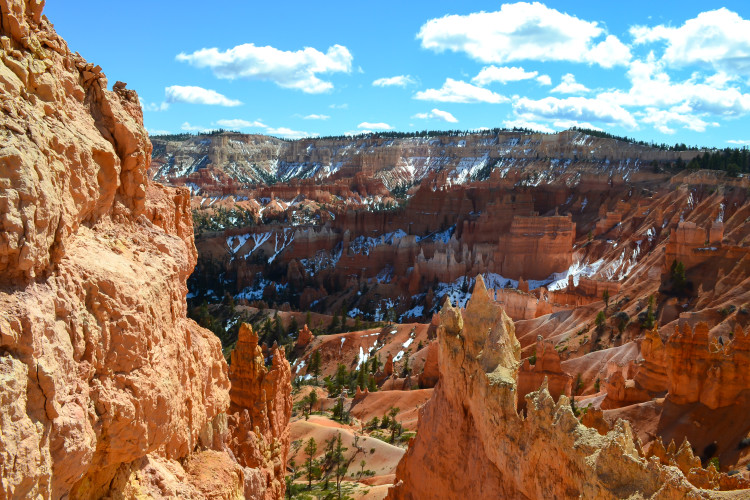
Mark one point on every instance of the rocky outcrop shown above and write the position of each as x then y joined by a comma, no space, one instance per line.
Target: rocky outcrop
489,451
261,406
431,370
703,369
304,338
106,388
546,366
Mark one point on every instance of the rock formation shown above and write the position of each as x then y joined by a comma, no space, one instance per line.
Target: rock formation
304,338
472,420
260,409
702,369
107,389
546,366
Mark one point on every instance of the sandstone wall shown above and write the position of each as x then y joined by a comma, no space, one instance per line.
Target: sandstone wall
106,388
488,451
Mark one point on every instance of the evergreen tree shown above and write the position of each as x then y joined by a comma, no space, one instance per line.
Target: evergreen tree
310,448
312,398
600,319
315,365
334,327
340,463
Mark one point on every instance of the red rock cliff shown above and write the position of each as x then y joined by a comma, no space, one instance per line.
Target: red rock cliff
486,450
107,388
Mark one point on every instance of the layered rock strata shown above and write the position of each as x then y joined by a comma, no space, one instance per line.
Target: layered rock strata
473,421
106,388
260,409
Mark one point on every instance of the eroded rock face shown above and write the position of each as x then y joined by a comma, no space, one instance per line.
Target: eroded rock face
547,366
304,338
488,451
705,370
106,388
261,406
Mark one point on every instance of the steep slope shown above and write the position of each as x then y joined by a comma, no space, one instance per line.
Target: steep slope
107,389
472,420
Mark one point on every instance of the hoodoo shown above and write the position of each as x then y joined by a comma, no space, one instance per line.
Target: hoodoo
488,450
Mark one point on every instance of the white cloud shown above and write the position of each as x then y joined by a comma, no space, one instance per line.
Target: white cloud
574,108
739,142
544,80
289,133
338,106
503,74
437,114
718,38
186,126
521,123
315,117
570,86
287,69
662,119
566,124
460,92
239,123
651,86
198,95
394,81
375,126
523,31
155,107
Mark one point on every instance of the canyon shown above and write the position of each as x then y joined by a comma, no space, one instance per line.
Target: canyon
489,313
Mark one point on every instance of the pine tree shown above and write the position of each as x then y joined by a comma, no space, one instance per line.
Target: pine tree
340,464
312,398
315,365
334,327
310,448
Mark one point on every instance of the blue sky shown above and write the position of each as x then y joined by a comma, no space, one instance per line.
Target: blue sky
662,71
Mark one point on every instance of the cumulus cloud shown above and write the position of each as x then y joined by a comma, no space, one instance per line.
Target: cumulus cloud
315,117
651,86
289,133
575,108
524,31
198,95
437,114
240,124
544,80
739,142
187,127
154,106
502,74
566,124
394,81
663,119
237,123
569,85
460,92
369,126
718,38
521,123
288,69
